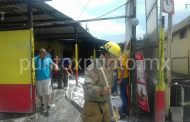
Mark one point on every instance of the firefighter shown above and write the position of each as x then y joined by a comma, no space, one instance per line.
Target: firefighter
96,93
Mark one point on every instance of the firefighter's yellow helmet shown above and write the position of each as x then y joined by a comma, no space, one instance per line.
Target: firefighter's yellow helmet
113,48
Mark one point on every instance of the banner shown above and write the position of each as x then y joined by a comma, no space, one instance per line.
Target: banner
142,96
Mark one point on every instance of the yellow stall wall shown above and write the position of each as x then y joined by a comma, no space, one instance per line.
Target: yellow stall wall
15,57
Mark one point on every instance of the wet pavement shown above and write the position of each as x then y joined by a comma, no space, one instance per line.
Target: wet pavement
61,111
76,95
67,106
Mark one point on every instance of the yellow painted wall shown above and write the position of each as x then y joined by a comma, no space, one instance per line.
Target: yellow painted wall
180,48
15,53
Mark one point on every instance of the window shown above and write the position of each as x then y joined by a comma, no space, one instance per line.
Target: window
183,33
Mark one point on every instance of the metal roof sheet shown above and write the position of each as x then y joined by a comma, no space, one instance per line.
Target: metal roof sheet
47,20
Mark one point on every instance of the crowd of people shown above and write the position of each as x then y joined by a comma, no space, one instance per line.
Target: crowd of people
101,80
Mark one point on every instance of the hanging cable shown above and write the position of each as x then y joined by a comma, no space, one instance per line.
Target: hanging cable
86,5
112,10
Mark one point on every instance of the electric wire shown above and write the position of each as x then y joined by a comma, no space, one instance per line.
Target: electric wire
112,10
84,8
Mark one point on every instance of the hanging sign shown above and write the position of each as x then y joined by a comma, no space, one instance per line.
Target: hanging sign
142,96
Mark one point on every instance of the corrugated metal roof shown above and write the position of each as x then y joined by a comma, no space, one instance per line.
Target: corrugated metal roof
47,21
18,8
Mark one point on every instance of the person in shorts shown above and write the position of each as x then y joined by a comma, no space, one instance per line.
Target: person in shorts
43,66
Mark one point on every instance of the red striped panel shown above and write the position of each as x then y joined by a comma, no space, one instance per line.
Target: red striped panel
160,106
17,98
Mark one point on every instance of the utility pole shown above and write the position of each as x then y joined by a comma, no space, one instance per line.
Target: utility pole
76,54
131,10
134,16
160,87
163,89
186,5
169,58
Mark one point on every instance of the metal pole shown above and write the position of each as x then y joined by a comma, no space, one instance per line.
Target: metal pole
132,75
160,87
96,19
127,7
188,64
157,20
146,15
186,5
30,26
169,41
125,24
134,16
30,17
94,50
76,54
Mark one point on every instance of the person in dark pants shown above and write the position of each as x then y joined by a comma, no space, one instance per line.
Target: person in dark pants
123,78
60,77
124,97
66,70
115,85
